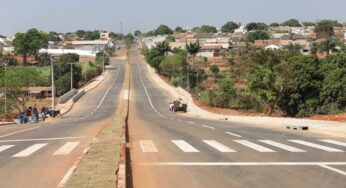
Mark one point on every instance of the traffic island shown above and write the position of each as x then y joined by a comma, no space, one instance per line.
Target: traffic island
103,161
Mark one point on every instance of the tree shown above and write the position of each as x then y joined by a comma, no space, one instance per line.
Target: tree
154,58
229,27
214,69
102,57
256,26
54,36
193,49
163,30
333,95
226,92
170,38
92,35
293,47
307,24
207,29
137,33
129,38
80,33
172,65
257,35
327,46
163,48
178,29
62,71
301,99
29,43
325,28
17,81
274,25
292,23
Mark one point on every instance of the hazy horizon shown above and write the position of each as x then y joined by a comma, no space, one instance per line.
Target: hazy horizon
69,16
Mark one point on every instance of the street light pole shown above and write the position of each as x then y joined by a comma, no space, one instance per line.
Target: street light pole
5,90
103,66
53,88
71,76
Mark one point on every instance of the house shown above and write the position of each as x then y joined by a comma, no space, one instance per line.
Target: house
263,43
210,51
38,92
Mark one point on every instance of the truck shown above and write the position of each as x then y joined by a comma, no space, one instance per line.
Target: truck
178,105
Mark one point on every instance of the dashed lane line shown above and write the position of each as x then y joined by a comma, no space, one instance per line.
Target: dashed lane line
233,134
321,147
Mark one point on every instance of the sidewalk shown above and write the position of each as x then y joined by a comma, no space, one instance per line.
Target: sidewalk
64,108
318,126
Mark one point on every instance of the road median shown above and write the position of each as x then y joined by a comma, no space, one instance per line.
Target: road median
103,159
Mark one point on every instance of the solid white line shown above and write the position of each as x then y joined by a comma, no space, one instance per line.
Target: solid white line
333,169
66,148
209,127
335,142
145,89
254,146
178,119
282,146
147,146
67,176
30,150
186,147
236,135
126,94
41,139
19,132
325,148
218,146
5,147
242,163
190,122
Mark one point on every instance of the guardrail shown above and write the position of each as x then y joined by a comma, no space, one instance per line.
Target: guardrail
67,96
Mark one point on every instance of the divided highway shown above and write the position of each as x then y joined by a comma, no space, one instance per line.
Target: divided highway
41,154
173,150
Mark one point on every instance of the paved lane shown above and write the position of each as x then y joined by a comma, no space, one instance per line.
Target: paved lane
191,152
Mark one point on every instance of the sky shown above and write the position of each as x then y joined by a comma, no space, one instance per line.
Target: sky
71,15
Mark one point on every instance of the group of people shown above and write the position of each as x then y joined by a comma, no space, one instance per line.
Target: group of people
34,113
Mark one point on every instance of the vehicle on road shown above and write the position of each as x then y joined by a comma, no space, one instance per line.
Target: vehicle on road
178,105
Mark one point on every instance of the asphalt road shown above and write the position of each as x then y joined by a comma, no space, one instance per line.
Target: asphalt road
41,154
172,150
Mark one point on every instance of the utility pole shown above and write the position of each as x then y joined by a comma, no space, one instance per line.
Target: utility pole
71,75
53,88
103,66
6,89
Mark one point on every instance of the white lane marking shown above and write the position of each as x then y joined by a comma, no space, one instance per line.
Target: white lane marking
218,146
41,139
254,146
67,176
236,135
147,146
105,95
242,163
66,148
190,122
5,147
126,95
178,119
282,146
172,119
186,147
145,89
325,148
19,132
335,142
333,169
30,150
209,127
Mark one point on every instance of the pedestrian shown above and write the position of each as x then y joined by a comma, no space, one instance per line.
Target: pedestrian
21,118
35,113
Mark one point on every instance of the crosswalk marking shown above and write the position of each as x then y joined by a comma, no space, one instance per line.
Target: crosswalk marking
335,142
233,134
254,146
282,146
66,148
325,148
30,150
5,147
186,147
218,146
147,146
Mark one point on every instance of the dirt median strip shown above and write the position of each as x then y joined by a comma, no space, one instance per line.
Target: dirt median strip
100,164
